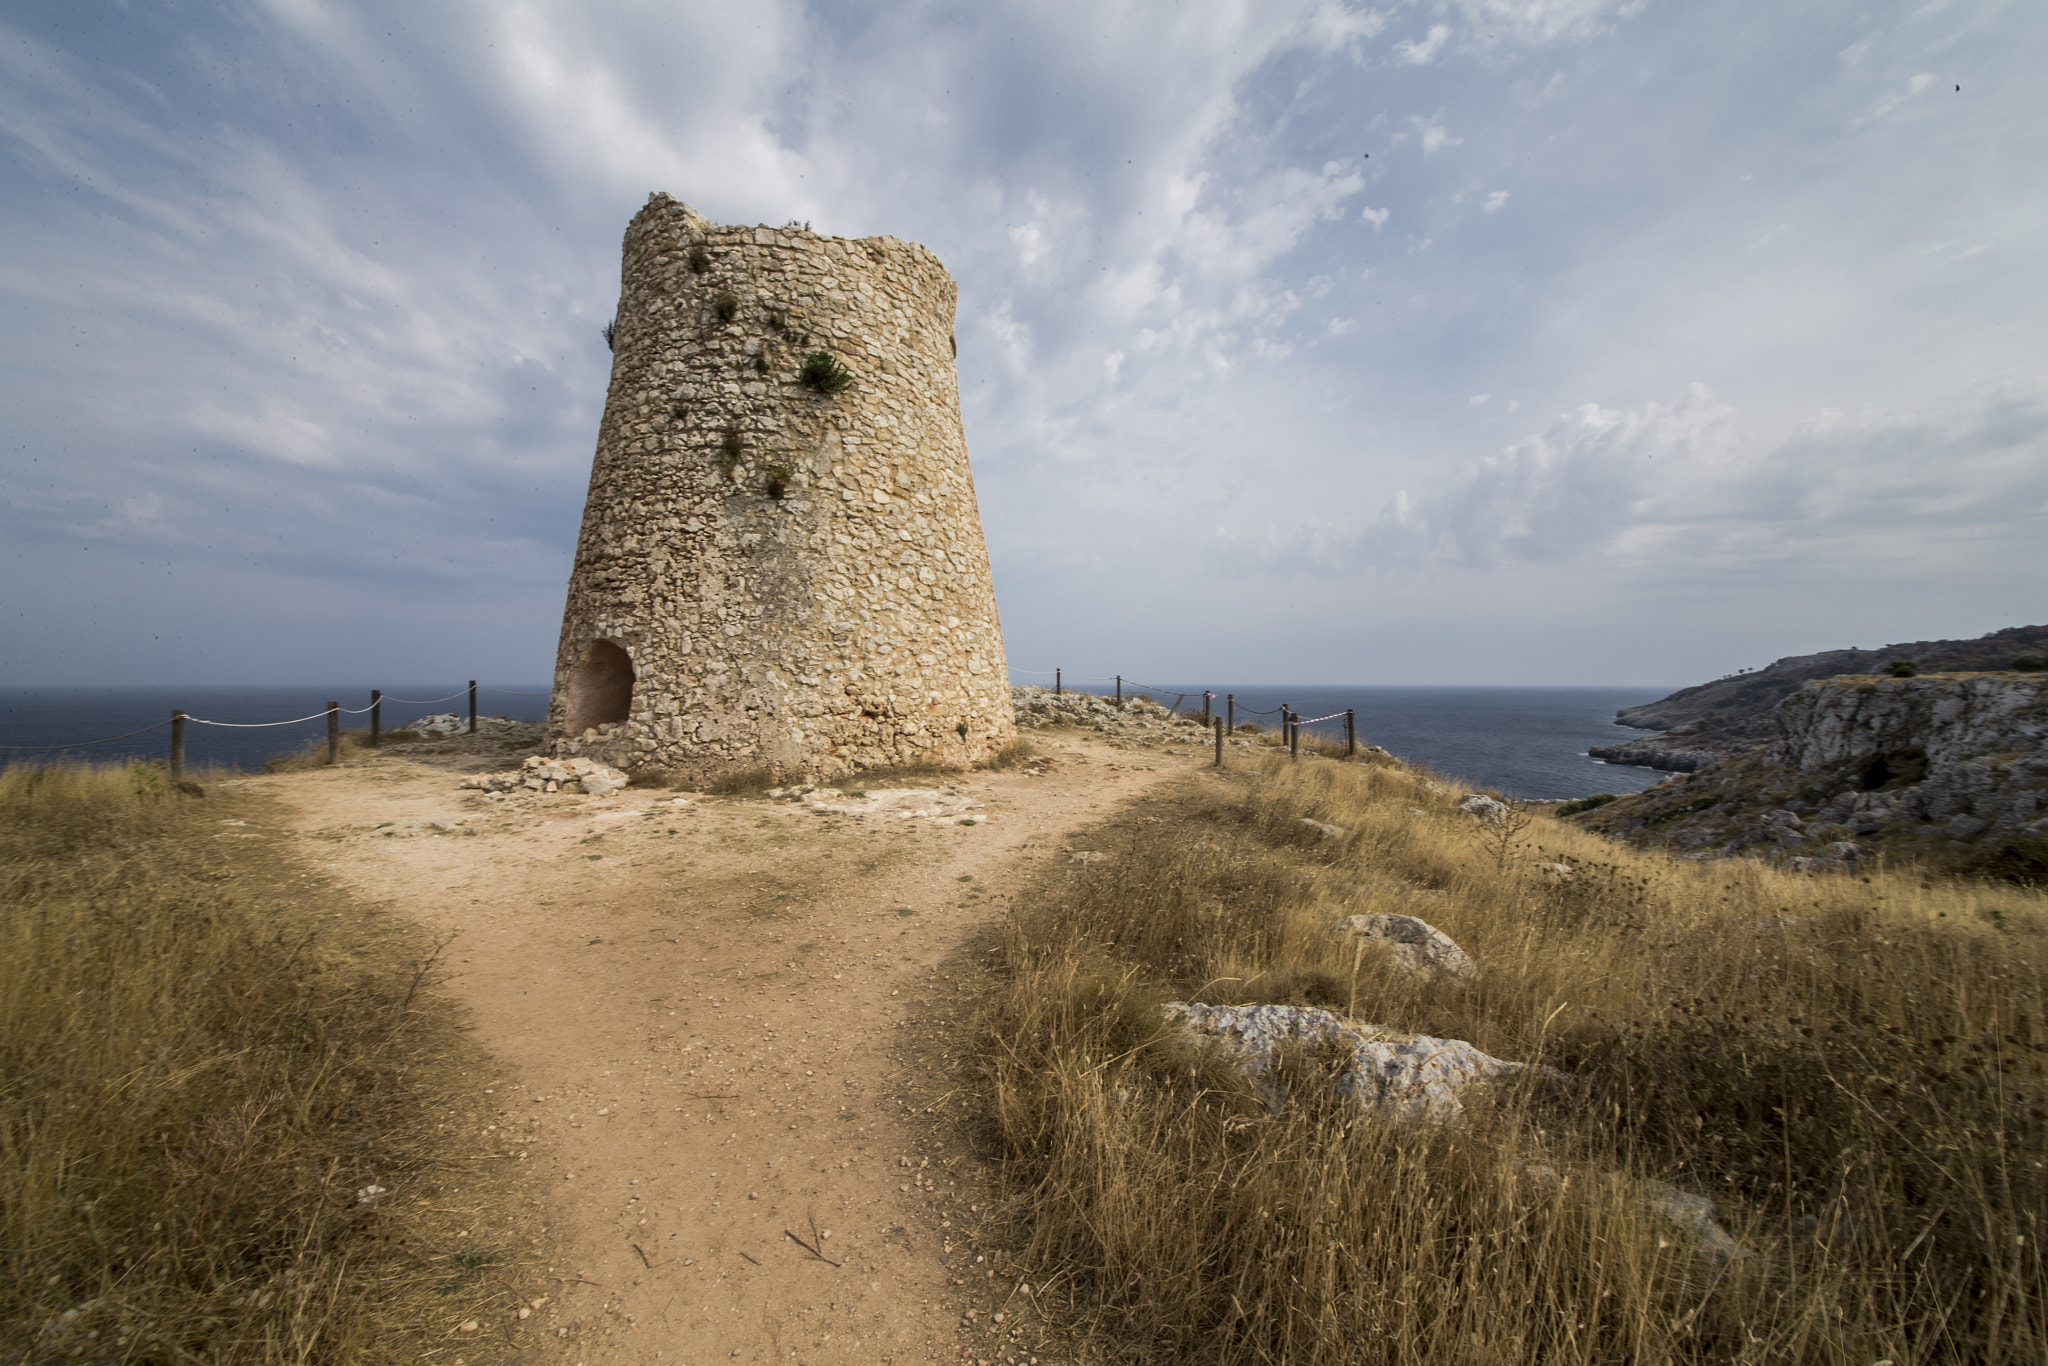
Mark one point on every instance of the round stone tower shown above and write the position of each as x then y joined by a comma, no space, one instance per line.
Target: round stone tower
781,564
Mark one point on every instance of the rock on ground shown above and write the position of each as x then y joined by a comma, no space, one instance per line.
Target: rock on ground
1414,944
1403,1076
1484,807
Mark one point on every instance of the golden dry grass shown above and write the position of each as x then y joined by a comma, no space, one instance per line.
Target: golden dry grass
351,746
203,1058
1852,1068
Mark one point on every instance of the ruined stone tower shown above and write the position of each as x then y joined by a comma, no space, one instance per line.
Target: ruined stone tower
781,561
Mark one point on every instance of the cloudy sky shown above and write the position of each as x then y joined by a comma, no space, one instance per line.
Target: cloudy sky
1443,341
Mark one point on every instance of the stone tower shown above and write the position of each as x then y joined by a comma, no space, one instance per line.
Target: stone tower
781,563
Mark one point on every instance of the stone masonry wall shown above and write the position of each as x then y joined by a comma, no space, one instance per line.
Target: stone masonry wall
798,578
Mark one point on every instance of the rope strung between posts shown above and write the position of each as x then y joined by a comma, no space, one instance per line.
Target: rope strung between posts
264,725
1312,720
430,701
81,744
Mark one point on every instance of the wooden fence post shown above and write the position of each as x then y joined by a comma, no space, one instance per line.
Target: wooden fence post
1293,736
1285,712
1219,741
472,706
1207,698
1119,690
1350,732
1230,712
376,718
1056,690
178,745
333,732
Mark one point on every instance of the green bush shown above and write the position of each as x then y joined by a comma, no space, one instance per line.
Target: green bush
1903,668
823,372
1594,802
2030,663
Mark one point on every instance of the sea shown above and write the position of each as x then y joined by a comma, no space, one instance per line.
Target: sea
1528,743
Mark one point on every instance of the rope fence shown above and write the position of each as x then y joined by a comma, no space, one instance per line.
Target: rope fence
333,712
83,744
1290,721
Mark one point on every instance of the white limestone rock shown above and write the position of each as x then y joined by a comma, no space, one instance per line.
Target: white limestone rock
1693,1216
1414,944
1484,807
1403,1076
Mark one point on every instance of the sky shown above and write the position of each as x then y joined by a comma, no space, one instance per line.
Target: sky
1426,342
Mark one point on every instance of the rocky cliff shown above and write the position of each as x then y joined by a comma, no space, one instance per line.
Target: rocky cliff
1714,721
1956,764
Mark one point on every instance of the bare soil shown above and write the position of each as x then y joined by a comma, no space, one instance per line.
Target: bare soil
721,1033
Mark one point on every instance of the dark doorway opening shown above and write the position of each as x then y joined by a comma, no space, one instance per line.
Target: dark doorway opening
600,688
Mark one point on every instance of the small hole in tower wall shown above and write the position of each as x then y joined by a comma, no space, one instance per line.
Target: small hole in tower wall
600,688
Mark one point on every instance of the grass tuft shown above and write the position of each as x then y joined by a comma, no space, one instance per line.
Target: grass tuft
1016,754
742,782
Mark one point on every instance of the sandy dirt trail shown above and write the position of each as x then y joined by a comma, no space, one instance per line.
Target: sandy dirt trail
714,1020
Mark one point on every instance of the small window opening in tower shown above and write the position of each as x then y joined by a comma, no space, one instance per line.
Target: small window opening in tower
600,688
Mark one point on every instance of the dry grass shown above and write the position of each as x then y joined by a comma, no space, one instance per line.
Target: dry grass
1852,1068
919,774
195,1083
741,782
353,746
1016,754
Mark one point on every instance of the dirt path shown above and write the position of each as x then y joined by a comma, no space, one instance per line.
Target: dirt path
713,1021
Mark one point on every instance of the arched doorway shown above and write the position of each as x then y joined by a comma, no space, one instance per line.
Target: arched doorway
600,688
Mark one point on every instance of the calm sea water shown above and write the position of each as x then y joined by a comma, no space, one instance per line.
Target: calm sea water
1526,742
1529,743
67,716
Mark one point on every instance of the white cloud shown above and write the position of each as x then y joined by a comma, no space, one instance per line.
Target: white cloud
1889,103
1424,52
1435,137
1494,202
1377,217
1534,23
1677,491
1335,27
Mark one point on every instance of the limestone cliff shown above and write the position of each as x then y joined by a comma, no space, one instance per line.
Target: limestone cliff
1951,763
1713,721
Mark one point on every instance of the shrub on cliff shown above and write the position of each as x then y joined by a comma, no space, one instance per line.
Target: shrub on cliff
1903,668
2030,663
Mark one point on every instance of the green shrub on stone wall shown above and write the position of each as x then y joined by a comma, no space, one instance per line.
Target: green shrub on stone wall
823,372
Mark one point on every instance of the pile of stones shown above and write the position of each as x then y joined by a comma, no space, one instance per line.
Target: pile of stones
543,775
1137,720
448,723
